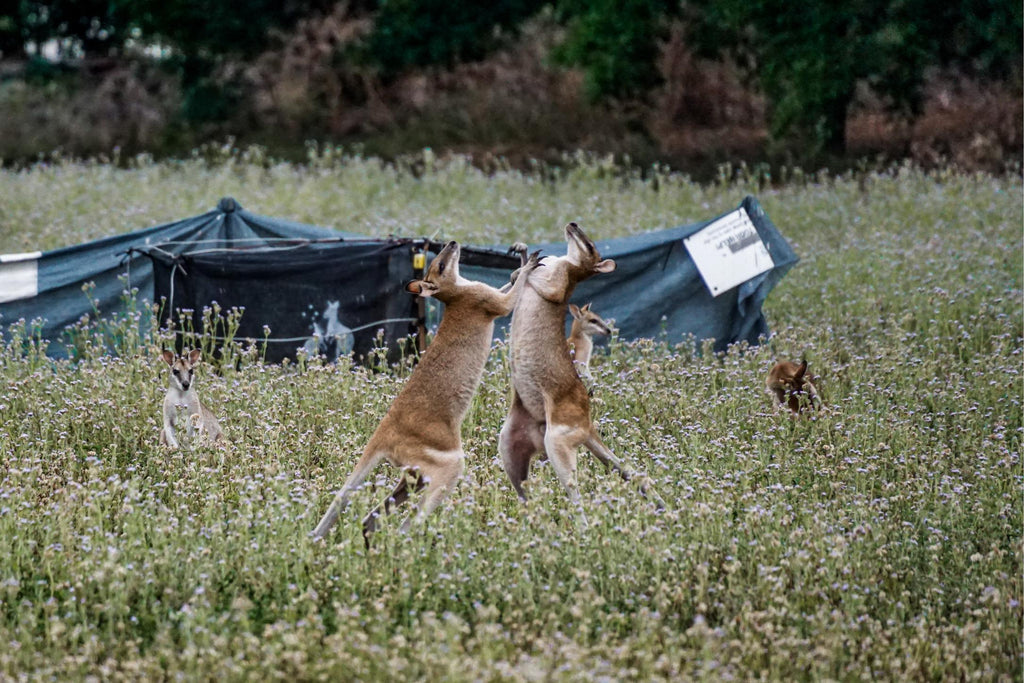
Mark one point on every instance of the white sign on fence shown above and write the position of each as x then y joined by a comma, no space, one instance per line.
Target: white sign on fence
728,252
19,276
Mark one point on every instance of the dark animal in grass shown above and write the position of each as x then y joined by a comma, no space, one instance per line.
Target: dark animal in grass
790,385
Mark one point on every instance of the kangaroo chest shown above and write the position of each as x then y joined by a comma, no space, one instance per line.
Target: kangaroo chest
442,386
178,401
541,364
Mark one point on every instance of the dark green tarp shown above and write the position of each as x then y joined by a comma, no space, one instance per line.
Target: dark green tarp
302,280
344,292
117,263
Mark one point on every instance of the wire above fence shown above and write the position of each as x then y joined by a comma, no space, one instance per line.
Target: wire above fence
386,321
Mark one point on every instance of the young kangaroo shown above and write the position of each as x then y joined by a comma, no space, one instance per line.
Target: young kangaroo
550,408
182,392
788,383
421,431
585,326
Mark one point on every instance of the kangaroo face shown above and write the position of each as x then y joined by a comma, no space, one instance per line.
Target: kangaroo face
794,379
786,376
588,322
182,368
442,277
789,381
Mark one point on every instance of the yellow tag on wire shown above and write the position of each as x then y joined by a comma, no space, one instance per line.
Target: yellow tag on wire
419,260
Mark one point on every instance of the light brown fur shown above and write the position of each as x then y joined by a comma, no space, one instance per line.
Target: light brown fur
181,392
586,324
421,432
790,385
550,409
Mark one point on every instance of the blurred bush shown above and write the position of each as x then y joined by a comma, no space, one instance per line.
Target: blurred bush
698,83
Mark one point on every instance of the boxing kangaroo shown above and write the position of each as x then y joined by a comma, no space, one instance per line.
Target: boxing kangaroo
550,409
421,431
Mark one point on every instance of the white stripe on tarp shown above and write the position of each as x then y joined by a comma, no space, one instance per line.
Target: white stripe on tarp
19,276
14,258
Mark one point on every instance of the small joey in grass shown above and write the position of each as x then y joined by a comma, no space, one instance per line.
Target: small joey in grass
790,385
181,393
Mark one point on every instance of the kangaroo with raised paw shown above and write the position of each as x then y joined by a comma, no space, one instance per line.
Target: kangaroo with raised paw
790,384
586,324
181,393
421,431
550,409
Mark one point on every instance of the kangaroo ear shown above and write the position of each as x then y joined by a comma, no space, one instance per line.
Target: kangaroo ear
801,370
575,311
586,307
605,266
167,357
194,356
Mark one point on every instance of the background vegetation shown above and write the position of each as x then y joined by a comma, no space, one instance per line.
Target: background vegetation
879,539
688,83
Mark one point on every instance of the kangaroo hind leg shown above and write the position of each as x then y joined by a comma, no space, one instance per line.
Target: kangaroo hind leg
410,479
440,471
604,454
561,442
520,438
355,480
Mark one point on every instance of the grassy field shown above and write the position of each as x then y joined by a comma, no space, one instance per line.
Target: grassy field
882,539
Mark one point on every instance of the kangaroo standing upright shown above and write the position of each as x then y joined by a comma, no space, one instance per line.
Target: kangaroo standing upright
550,408
182,392
421,431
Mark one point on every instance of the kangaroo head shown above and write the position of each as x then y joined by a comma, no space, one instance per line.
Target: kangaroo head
332,309
582,255
585,321
557,280
182,368
442,277
789,382
798,376
788,376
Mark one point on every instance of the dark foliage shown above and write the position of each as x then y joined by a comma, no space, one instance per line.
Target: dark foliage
808,58
411,33
615,42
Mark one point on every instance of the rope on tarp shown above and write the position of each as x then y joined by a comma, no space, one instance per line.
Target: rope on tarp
385,321
303,240
482,256
276,243
126,262
268,244
177,266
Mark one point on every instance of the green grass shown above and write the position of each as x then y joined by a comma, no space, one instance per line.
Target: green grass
882,539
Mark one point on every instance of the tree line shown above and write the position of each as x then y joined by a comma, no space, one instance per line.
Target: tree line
807,58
